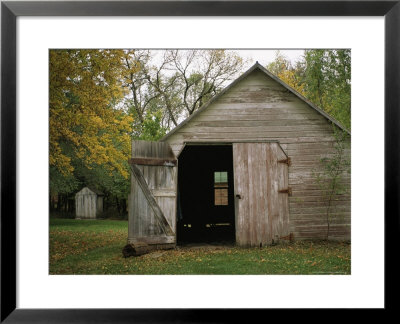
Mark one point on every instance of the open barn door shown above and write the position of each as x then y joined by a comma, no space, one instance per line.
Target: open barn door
152,200
261,193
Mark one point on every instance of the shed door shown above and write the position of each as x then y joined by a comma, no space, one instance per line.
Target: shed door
261,193
152,200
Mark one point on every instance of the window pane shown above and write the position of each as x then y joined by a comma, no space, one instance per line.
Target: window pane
221,177
217,177
221,197
224,177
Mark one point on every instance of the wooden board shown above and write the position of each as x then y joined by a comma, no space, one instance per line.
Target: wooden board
261,212
152,200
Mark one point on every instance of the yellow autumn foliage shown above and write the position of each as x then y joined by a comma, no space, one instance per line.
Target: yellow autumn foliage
290,78
84,90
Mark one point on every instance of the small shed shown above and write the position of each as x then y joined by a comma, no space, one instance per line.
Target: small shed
241,168
88,203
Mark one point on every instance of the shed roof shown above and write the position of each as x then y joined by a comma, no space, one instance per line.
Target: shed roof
245,74
97,192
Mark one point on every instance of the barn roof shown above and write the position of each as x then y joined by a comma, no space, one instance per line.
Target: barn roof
244,75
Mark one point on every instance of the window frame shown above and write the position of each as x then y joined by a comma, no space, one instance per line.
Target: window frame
220,186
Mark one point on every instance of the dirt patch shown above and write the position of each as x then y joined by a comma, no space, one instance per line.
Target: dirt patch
206,246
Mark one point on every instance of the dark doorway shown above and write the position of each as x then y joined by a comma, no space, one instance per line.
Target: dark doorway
205,194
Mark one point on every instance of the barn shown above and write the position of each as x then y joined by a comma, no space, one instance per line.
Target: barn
242,169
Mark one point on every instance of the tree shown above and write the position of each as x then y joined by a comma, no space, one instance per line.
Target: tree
175,82
330,177
135,67
291,74
280,64
152,129
323,77
203,73
327,82
87,129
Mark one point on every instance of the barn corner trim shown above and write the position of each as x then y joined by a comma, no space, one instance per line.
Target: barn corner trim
240,78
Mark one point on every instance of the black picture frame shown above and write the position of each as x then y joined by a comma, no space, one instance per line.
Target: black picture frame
10,10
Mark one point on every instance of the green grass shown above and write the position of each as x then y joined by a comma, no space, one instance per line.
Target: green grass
95,247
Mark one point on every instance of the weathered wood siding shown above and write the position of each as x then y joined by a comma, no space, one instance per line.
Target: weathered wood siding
86,204
152,202
262,215
259,109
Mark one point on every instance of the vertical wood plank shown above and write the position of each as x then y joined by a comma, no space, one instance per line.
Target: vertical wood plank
240,157
263,195
274,192
269,186
283,176
261,214
259,199
251,221
152,207
236,158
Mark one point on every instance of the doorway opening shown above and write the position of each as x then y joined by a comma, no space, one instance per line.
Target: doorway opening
206,211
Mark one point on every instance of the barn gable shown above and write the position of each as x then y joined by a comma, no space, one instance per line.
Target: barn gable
255,102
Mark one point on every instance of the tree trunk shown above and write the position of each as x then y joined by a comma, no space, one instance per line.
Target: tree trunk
123,206
118,205
58,202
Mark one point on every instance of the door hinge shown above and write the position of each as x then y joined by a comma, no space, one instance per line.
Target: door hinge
288,191
287,161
